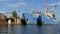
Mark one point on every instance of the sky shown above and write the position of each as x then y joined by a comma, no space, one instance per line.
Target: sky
23,6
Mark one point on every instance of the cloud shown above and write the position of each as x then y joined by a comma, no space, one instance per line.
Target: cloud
58,3
52,0
21,3
3,0
15,4
11,5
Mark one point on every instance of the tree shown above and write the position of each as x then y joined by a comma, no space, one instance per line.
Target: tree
14,14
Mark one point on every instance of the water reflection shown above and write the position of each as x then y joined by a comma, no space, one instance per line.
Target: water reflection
3,30
30,29
12,29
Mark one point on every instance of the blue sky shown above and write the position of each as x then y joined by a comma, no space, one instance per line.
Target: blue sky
36,5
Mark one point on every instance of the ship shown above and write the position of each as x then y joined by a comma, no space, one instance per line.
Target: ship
47,17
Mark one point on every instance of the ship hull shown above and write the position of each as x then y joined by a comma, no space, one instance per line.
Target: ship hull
30,19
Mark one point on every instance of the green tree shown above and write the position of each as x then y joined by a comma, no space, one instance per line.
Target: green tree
14,14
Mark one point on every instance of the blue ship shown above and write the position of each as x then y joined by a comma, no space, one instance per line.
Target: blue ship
47,17
31,19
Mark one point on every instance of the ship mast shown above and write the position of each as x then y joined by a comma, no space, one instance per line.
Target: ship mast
46,8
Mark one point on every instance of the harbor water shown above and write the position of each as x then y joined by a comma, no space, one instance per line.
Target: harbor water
30,29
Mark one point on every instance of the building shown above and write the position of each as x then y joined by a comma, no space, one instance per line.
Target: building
2,19
2,16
